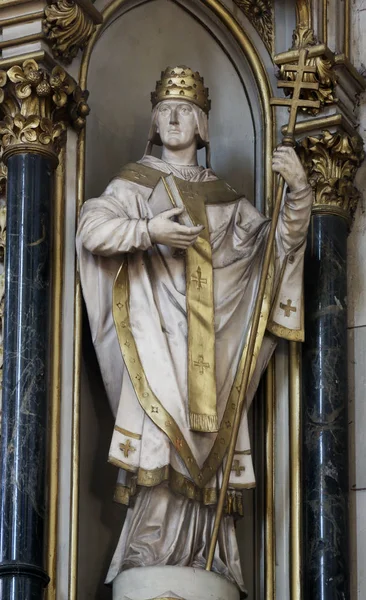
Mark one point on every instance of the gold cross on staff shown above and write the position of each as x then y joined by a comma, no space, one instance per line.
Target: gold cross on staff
288,308
201,364
297,86
237,468
200,281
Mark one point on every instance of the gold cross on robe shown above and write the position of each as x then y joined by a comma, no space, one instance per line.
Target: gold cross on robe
200,281
127,448
201,364
288,308
237,468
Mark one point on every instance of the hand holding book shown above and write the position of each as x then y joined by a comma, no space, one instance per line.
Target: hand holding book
163,230
163,227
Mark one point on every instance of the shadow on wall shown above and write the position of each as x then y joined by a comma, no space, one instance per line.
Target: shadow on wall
101,519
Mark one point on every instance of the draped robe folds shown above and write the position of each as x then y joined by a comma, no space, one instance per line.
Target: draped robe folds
166,455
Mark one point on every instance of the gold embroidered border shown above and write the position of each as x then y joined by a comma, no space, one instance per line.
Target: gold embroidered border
213,192
135,436
150,403
179,484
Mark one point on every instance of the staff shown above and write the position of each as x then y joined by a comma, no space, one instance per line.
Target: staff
294,104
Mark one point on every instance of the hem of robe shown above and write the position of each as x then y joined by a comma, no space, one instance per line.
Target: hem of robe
163,530
181,485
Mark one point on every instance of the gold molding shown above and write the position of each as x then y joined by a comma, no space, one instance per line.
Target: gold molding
331,161
261,15
75,450
26,39
68,27
36,106
57,321
17,19
295,469
304,27
270,466
347,28
325,21
320,123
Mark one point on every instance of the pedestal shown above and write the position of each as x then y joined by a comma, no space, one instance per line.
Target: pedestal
168,583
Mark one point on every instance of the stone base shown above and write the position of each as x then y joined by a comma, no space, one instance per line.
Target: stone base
170,583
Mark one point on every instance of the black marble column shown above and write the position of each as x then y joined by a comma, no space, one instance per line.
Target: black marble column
325,424
25,378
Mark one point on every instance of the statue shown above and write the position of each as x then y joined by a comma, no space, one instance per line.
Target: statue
170,297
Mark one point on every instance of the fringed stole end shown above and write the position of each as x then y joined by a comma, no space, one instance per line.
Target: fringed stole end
203,423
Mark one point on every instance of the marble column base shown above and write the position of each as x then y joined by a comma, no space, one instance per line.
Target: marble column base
168,583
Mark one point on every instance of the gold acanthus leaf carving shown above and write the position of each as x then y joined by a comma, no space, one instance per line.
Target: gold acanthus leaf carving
37,105
67,28
261,14
331,161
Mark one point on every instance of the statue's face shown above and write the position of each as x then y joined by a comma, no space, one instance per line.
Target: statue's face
176,124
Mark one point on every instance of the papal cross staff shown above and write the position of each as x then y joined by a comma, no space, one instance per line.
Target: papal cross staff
288,140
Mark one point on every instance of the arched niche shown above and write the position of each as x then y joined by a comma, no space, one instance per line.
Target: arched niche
120,68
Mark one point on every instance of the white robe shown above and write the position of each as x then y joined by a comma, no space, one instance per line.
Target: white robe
115,225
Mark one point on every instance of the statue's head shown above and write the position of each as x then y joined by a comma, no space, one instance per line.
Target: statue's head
180,109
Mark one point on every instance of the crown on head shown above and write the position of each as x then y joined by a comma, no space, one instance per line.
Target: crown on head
181,83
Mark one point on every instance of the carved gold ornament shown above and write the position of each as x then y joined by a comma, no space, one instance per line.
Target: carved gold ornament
261,15
324,75
67,28
37,105
331,161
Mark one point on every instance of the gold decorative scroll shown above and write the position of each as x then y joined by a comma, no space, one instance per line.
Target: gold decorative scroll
331,161
261,14
67,28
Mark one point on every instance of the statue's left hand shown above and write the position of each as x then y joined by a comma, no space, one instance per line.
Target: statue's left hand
286,162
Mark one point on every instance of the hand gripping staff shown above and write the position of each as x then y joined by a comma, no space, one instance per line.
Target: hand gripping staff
294,104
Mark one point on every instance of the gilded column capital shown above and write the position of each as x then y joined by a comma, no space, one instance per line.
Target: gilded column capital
68,25
261,15
331,161
36,107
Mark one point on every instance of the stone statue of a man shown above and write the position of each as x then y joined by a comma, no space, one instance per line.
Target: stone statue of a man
170,306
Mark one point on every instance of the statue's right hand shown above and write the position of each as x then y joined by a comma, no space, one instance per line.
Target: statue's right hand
163,230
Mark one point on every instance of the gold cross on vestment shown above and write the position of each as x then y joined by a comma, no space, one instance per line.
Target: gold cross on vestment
200,281
127,448
201,364
237,468
288,308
